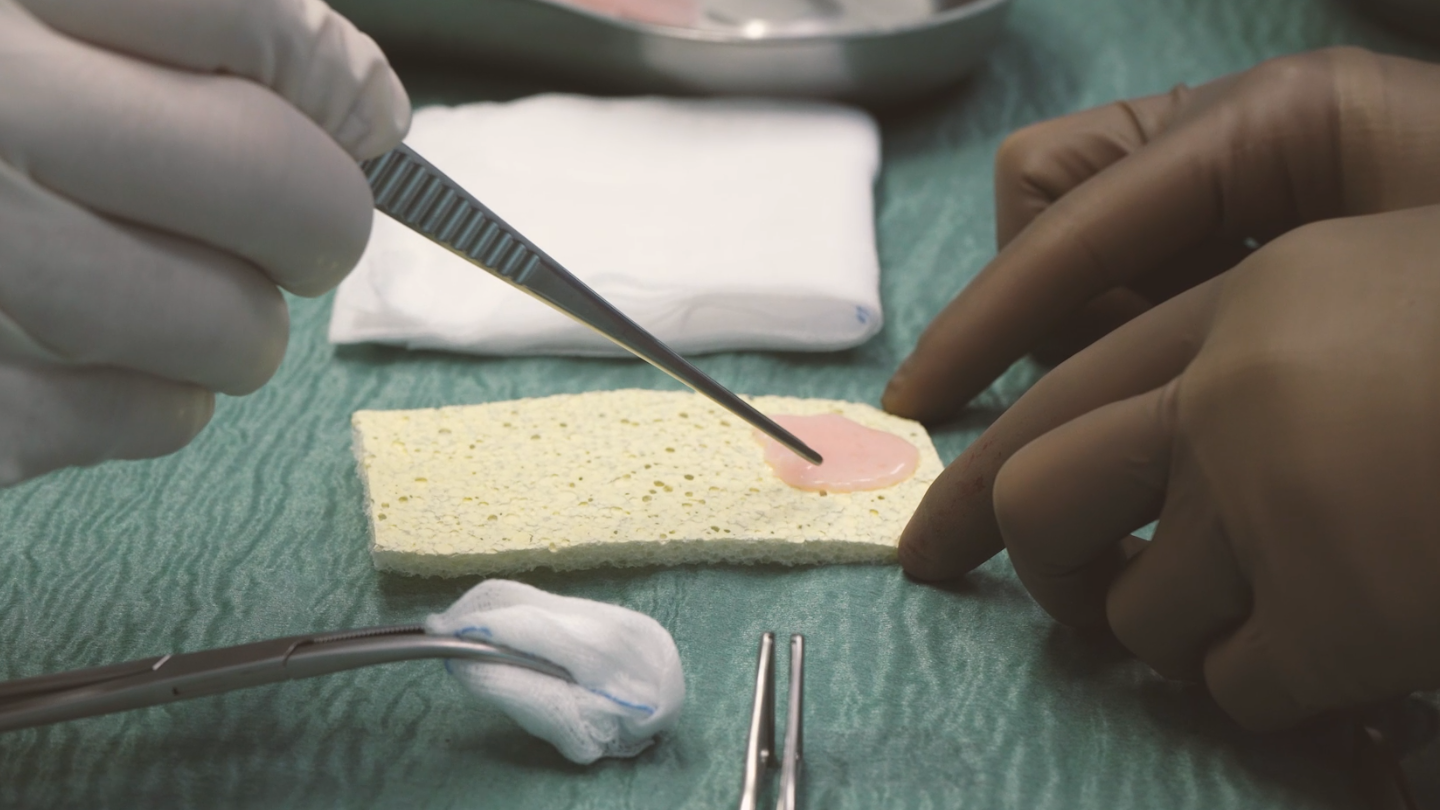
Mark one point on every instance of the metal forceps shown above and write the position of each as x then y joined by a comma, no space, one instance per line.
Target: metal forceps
760,745
80,693
418,195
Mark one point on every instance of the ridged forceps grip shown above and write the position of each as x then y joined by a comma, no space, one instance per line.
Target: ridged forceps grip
416,194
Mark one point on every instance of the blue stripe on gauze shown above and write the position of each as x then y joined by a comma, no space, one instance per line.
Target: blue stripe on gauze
627,704
629,683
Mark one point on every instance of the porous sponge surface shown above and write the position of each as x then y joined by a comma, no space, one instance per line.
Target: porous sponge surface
625,478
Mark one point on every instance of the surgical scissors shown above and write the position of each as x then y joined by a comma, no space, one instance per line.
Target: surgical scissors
46,699
421,197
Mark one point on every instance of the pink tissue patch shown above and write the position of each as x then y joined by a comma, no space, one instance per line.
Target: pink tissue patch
856,457
659,12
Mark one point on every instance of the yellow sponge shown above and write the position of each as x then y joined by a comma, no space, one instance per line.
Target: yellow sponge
622,478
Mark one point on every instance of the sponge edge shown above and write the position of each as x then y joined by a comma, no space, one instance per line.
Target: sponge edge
624,478
628,686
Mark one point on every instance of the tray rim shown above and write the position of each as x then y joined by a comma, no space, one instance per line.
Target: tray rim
950,16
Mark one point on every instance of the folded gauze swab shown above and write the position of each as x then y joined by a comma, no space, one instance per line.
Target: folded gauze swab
717,224
628,682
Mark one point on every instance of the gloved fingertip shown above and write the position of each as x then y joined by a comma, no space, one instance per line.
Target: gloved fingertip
400,109
915,561
201,412
930,556
896,398
922,397
381,118
315,286
173,425
892,399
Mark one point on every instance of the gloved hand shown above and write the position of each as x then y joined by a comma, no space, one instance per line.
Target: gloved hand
1273,418
1101,214
165,167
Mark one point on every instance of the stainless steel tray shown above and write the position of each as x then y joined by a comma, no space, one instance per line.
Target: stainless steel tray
869,51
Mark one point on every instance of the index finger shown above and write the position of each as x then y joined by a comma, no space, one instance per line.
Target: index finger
1242,166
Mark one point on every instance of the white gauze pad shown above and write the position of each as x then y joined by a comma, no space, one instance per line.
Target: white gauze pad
629,684
716,224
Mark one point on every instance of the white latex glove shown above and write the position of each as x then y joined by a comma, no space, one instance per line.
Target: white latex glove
165,167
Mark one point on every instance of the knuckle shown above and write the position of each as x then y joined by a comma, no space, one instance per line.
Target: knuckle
1024,153
1305,246
1298,76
